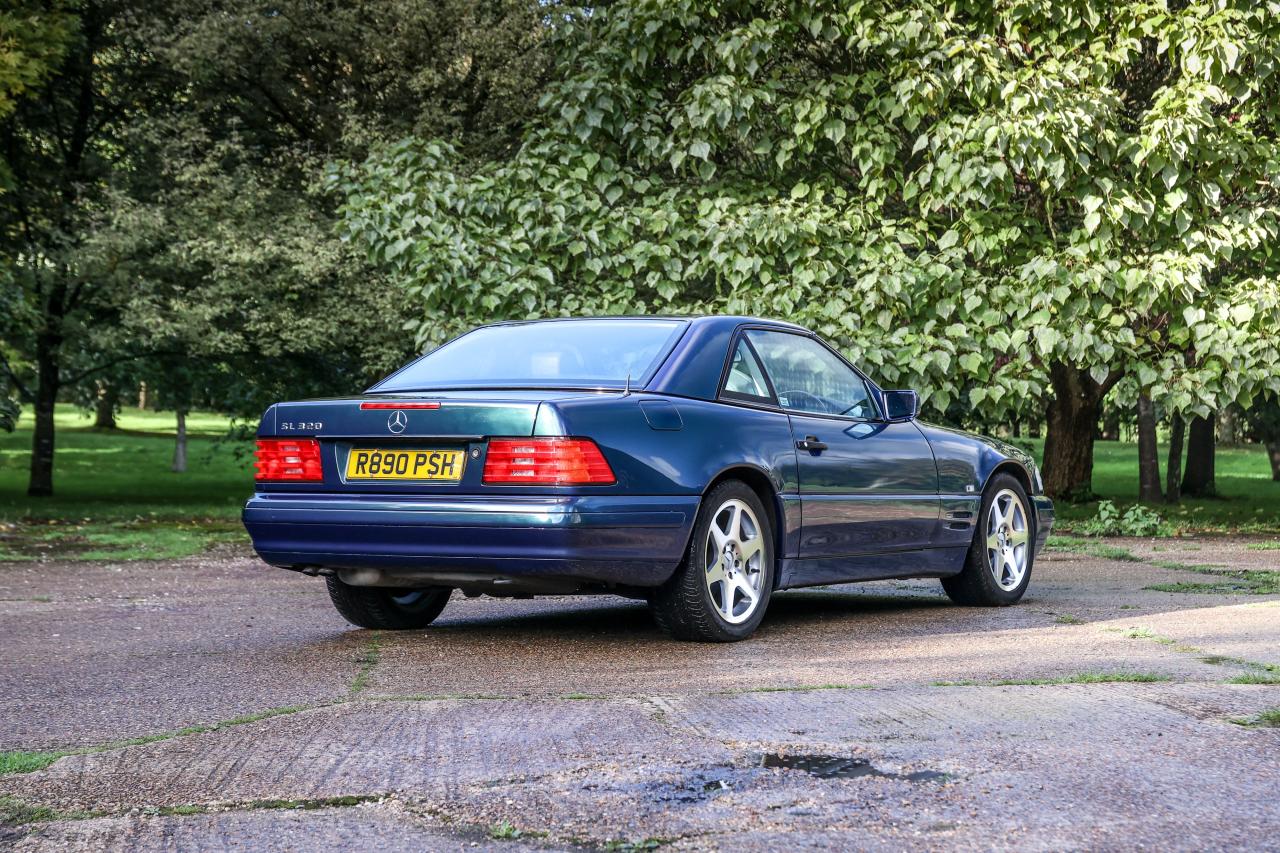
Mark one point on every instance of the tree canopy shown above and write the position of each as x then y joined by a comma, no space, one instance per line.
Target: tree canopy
999,203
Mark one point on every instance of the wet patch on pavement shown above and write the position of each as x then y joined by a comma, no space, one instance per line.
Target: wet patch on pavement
825,766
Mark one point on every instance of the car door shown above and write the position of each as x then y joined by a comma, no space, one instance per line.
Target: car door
866,485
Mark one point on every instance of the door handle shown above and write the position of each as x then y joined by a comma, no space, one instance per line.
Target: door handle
811,444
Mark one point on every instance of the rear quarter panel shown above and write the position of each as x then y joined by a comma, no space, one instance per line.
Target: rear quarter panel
712,439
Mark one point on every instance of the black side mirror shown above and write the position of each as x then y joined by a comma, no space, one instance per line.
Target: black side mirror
901,405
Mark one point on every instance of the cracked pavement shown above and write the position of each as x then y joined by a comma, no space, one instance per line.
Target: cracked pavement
215,702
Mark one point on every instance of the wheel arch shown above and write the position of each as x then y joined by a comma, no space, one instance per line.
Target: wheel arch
1019,472
762,484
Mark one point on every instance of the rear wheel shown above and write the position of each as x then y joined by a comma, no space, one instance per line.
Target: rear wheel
720,592
385,608
998,567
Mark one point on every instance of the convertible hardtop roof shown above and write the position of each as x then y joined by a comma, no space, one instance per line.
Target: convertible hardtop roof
731,321
693,367
690,368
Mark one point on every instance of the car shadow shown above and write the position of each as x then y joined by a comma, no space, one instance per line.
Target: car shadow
629,618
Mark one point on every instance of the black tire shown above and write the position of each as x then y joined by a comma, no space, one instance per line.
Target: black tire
976,584
376,607
684,606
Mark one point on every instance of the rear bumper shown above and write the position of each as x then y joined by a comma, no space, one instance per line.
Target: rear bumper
625,540
1044,520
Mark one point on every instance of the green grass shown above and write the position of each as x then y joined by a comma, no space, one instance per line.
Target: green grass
1249,500
15,812
19,761
28,762
507,831
1272,545
368,660
799,688
1148,634
115,497
1078,678
1068,619
1268,719
1091,548
1227,581
1256,678
623,846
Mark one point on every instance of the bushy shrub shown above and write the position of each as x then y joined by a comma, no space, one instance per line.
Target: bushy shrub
1137,520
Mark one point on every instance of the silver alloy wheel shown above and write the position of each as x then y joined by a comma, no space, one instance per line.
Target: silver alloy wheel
734,561
1007,539
409,598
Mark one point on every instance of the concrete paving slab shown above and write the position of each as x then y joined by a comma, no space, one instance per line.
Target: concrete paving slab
96,652
358,749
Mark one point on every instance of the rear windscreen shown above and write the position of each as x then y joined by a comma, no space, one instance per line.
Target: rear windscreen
549,354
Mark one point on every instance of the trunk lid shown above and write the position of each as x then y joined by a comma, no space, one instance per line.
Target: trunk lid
456,424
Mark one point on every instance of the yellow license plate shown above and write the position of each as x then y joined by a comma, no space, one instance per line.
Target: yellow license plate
406,465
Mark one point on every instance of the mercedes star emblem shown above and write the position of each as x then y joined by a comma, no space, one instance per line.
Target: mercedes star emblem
397,422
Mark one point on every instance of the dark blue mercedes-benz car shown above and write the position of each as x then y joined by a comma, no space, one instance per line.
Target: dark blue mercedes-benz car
701,463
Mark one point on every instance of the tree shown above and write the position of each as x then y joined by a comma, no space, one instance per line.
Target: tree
33,40
1173,471
1148,456
1198,477
140,105
1004,202
62,144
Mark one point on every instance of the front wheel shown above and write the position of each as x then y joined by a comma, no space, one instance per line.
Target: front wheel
998,567
720,592
387,609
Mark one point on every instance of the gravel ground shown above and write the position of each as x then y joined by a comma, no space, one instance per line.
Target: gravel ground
215,703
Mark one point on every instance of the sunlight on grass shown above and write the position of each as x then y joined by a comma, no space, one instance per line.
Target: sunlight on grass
124,476
1249,500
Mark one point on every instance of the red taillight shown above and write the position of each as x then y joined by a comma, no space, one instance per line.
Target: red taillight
288,459
546,461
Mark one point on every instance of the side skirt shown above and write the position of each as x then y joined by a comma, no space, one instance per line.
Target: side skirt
922,563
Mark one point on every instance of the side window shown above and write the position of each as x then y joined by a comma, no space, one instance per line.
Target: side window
746,380
810,378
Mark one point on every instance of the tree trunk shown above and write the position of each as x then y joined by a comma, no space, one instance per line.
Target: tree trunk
1173,483
104,408
1017,429
1148,454
180,445
142,395
1072,421
1228,431
42,440
1197,480
1033,429
1273,451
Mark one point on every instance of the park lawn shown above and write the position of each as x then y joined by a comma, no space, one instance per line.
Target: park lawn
1248,501
115,496
117,499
